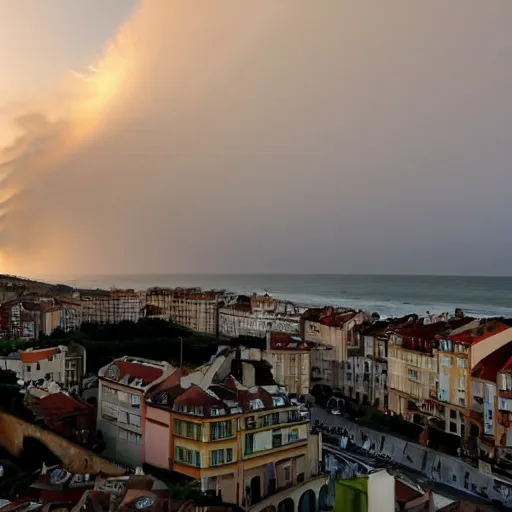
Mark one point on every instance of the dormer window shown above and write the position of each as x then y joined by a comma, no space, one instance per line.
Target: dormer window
278,401
255,405
217,411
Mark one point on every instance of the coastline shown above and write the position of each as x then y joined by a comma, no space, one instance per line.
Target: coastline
390,296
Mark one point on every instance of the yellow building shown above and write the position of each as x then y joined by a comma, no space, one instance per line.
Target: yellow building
243,441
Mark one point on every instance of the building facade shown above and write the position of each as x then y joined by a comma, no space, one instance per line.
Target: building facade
112,308
191,308
121,412
290,361
65,365
242,441
255,316
334,327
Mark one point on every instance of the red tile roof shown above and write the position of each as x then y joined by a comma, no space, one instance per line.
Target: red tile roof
404,493
482,332
58,405
508,364
139,371
196,396
33,356
337,320
488,367
284,341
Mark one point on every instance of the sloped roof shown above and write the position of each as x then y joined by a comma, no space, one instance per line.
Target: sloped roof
138,371
482,332
59,405
33,356
488,367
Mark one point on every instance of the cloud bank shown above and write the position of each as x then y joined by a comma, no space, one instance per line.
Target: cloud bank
272,137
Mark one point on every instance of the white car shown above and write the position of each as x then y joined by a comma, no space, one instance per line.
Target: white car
335,412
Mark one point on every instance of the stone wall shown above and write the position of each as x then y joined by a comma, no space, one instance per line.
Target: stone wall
75,459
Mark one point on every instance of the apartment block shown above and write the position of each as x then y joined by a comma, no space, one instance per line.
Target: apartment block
121,411
228,425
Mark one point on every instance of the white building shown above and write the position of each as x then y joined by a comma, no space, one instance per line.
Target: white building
62,364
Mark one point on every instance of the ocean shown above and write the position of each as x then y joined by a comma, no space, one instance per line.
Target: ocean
385,294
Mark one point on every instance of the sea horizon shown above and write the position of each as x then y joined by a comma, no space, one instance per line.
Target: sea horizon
387,294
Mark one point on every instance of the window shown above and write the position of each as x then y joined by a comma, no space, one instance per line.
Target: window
287,474
293,435
278,401
181,408
249,444
462,362
412,374
217,411
38,366
123,397
453,427
197,410
505,382
453,414
221,430
29,369
134,438
109,395
134,420
109,411
135,399
188,429
218,457
123,435
277,439
256,404
190,457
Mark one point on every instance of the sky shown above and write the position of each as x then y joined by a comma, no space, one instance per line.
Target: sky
170,136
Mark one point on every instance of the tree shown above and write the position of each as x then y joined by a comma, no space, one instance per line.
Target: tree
8,377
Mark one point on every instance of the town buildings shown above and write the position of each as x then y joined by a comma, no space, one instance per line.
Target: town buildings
61,313
229,426
111,307
64,414
121,411
334,327
66,365
289,359
413,367
256,315
330,332
191,308
365,371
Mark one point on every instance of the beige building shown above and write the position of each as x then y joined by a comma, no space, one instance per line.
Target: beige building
332,327
112,308
191,308
290,360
